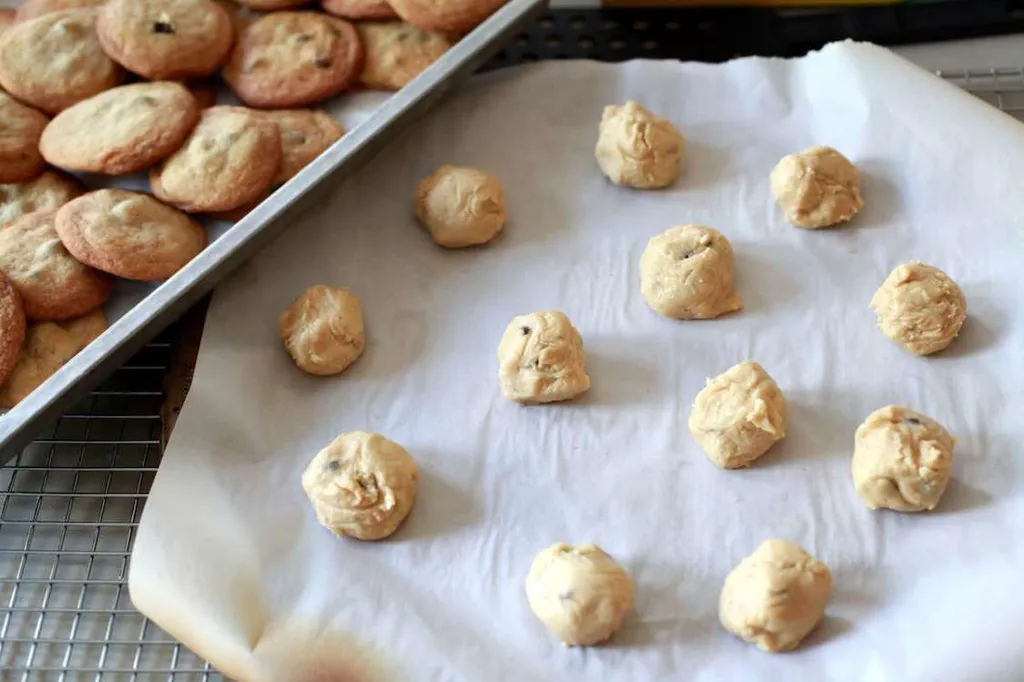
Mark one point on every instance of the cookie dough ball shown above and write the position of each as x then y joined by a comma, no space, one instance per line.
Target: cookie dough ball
637,149
541,359
323,330
580,593
739,415
901,460
686,273
775,597
361,485
920,307
817,187
460,206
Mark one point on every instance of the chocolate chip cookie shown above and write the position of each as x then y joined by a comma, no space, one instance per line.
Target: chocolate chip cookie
445,15
49,191
129,129
30,9
55,60
397,52
129,234
305,135
12,327
294,59
229,160
20,128
166,39
362,10
53,285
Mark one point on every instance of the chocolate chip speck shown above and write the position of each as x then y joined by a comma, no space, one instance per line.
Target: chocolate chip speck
163,27
303,38
914,420
333,465
323,62
524,330
565,596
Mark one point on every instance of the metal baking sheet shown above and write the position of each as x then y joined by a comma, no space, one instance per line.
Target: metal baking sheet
142,322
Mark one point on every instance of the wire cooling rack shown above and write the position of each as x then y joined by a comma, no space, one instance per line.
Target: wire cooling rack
70,504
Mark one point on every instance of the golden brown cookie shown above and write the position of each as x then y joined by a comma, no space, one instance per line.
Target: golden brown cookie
294,59
229,160
20,128
397,52
30,9
55,60
48,345
49,191
12,327
129,234
362,10
305,135
445,15
129,129
167,39
269,5
53,285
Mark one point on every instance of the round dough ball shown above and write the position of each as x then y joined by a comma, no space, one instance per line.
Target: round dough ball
637,149
460,206
323,330
920,307
817,187
361,485
901,460
738,415
541,359
775,596
686,272
580,593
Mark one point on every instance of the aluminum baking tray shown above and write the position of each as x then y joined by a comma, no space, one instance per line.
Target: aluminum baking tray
166,303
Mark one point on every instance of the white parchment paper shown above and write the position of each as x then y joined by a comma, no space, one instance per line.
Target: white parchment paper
230,559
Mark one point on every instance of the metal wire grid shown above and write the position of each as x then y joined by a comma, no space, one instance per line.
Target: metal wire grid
72,501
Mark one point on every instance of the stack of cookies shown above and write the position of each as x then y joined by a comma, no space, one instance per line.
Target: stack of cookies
119,87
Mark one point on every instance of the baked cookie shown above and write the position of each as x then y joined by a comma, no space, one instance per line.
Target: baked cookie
55,60
323,330
294,59
166,39
230,159
50,190
12,327
128,234
269,5
53,285
48,345
305,135
30,9
20,128
130,129
360,10
445,15
362,485
396,53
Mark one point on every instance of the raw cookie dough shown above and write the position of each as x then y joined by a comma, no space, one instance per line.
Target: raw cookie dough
901,460
638,149
686,273
541,359
362,485
775,596
580,593
738,415
817,187
323,330
920,307
460,206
